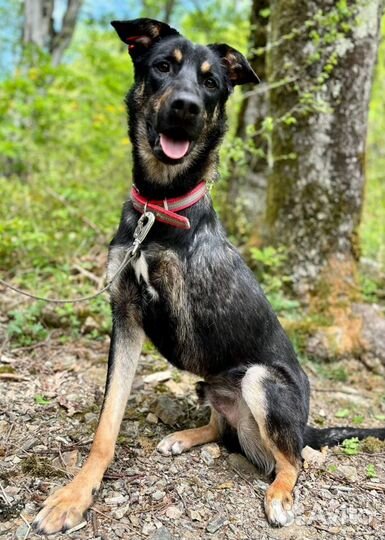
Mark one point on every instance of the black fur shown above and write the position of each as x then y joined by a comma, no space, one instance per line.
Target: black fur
224,323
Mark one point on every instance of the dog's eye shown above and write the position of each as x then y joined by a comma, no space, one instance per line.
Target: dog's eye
210,82
164,67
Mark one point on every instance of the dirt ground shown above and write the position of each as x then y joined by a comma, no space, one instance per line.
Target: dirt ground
49,405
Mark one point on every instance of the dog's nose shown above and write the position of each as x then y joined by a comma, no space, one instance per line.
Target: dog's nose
186,106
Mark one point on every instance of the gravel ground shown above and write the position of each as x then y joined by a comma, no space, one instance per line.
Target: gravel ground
48,412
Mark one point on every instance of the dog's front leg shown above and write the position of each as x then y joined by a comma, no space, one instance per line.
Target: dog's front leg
66,507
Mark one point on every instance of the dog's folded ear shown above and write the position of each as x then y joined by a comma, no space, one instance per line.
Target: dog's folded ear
238,68
141,34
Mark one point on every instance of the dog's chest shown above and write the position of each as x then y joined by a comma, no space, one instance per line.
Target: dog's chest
140,267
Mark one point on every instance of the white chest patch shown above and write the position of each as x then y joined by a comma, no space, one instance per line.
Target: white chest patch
140,267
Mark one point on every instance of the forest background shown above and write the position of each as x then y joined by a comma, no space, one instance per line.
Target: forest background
65,159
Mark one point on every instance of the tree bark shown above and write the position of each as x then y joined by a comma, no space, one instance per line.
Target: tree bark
62,39
248,188
316,184
38,23
39,26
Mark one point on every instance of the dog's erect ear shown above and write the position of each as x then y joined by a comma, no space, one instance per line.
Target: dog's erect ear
238,68
141,34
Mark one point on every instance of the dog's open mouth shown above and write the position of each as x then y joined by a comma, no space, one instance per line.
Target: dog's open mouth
174,148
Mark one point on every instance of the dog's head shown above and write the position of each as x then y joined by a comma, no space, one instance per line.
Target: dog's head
177,102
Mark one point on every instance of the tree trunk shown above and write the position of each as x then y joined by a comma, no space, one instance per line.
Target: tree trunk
39,26
61,40
38,22
320,122
248,188
316,184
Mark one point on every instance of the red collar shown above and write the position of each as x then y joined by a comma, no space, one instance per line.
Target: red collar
166,210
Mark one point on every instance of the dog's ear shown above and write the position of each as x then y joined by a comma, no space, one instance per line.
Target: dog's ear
238,68
141,34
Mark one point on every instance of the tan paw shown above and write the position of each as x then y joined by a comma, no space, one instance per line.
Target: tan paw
63,510
173,445
279,509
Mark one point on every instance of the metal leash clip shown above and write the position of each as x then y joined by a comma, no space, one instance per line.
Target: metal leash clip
145,222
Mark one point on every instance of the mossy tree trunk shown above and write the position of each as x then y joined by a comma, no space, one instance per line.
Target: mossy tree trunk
316,182
247,188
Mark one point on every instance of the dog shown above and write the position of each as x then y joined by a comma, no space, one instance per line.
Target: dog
188,289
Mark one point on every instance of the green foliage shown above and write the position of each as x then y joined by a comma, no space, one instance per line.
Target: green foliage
342,413
41,400
371,471
351,447
63,150
269,264
25,327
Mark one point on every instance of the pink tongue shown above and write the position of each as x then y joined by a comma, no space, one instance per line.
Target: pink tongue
173,149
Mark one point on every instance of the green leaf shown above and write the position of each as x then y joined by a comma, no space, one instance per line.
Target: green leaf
371,471
342,413
41,400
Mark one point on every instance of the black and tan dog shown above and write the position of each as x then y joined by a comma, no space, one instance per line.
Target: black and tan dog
188,289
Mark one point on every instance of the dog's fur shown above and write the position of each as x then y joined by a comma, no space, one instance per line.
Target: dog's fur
190,291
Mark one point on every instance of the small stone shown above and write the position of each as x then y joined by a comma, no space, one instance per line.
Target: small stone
349,472
162,534
134,518
158,376
158,495
312,457
216,524
209,453
195,515
173,512
4,427
148,528
120,512
116,501
151,418
29,443
168,410
21,532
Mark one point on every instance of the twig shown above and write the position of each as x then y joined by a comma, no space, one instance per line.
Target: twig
336,391
13,377
31,347
88,274
241,475
5,496
28,525
111,518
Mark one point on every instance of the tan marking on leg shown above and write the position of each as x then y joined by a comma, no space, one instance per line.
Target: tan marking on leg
65,508
279,495
205,67
181,441
178,55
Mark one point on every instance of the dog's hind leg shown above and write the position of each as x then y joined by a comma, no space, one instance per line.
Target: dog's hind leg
181,441
279,414
66,507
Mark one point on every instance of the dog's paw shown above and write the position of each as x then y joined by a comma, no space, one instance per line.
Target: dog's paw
173,445
63,510
279,510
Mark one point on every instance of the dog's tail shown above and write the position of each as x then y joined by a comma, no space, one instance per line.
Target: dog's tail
316,438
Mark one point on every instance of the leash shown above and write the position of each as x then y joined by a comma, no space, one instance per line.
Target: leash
164,211
143,227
